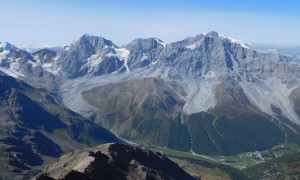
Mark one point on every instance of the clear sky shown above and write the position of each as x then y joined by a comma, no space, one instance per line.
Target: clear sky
59,22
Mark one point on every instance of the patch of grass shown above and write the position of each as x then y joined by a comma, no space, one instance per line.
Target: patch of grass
291,145
202,161
220,135
180,154
267,154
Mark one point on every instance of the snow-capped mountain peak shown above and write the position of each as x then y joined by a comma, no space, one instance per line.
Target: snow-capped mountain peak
160,41
6,46
208,73
199,62
198,40
244,45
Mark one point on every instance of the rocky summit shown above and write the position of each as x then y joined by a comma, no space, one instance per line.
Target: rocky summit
210,94
114,161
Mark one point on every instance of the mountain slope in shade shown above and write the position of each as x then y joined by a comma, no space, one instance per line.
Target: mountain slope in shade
35,129
114,161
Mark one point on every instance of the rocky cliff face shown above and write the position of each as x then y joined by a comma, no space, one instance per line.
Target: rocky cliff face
91,55
114,161
149,91
219,85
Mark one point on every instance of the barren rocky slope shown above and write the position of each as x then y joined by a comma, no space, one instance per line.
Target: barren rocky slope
114,161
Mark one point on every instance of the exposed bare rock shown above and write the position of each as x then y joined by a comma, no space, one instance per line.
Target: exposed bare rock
114,161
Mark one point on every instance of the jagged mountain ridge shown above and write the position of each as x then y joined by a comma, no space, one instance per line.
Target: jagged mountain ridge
209,73
114,161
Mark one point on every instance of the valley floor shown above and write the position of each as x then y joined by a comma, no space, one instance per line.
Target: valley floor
229,166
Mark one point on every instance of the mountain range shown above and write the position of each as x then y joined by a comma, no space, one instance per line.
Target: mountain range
208,94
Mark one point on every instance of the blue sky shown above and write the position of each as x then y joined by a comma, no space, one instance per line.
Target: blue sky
59,22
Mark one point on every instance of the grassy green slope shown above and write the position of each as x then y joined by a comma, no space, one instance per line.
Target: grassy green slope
144,111
203,162
221,135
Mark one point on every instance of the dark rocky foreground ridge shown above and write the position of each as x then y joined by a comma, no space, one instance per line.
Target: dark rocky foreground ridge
114,161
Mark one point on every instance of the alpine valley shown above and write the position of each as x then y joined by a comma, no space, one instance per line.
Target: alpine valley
209,94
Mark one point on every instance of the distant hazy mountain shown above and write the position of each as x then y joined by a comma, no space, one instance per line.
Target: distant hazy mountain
290,50
35,49
210,94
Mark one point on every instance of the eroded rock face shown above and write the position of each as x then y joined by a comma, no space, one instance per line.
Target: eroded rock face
150,92
114,161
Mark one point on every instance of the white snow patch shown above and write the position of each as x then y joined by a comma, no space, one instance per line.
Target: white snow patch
6,46
93,61
9,73
144,57
123,54
83,164
193,46
32,63
160,42
67,48
15,68
154,62
4,54
106,46
2,45
197,43
244,45
52,67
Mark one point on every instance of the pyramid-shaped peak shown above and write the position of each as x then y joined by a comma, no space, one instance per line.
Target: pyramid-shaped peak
211,33
7,46
214,34
148,39
90,36
94,40
146,44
